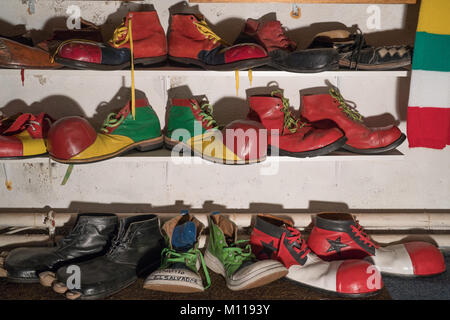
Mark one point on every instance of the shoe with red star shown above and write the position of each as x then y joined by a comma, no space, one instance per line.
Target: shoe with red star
338,236
276,238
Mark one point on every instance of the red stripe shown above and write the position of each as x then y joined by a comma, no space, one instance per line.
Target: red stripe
428,127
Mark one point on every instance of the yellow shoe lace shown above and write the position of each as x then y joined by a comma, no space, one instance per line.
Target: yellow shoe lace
204,29
116,42
206,114
352,113
289,121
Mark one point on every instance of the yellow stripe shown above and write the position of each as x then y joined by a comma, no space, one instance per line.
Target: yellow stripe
31,147
434,17
104,144
214,148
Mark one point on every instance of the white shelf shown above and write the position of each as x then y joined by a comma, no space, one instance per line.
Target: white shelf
183,72
163,155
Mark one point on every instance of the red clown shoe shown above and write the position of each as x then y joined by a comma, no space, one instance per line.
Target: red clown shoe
275,238
338,236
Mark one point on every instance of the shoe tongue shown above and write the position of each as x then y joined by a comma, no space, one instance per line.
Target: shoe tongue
184,236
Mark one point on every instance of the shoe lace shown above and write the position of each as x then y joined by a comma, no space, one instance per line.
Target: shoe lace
299,245
205,113
189,258
121,31
111,121
360,233
204,29
236,254
356,48
289,121
351,112
32,124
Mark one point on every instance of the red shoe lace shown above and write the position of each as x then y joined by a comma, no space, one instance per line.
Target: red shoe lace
299,246
360,233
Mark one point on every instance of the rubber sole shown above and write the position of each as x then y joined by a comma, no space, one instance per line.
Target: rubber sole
330,67
256,279
308,154
24,157
238,65
337,294
146,145
170,144
386,66
22,280
97,66
171,288
392,146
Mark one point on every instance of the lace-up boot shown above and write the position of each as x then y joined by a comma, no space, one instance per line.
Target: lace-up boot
233,258
290,136
73,140
140,39
90,237
191,41
24,135
181,259
276,238
283,51
339,236
135,251
361,139
192,128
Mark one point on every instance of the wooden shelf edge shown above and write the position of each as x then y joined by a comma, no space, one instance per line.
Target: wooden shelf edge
311,1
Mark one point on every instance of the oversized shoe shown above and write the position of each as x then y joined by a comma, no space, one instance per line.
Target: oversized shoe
24,135
288,136
339,236
73,140
191,41
181,259
233,260
89,238
355,53
275,238
139,40
191,128
135,251
282,50
320,108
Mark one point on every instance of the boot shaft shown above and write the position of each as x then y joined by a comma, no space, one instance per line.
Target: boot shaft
138,241
91,233
186,39
149,39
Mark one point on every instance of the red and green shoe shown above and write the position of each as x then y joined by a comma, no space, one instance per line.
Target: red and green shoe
73,140
192,128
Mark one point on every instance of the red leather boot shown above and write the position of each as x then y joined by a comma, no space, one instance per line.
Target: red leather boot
288,135
191,41
275,238
361,139
338,236
147,37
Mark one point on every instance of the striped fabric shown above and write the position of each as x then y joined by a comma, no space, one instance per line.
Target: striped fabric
428,122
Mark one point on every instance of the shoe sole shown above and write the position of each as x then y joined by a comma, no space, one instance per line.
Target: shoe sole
386,66
335,293
253,280
238,65
97,66
392,146
146,145
24,157
176,288
309,154
170,144
329,67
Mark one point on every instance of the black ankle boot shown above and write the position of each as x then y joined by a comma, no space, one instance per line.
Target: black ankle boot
90,237
135,251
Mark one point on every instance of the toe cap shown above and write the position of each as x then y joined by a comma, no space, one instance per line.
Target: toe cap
358,277
425,258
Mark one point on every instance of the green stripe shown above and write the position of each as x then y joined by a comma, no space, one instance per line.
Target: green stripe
431,52
181,117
